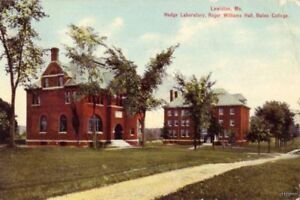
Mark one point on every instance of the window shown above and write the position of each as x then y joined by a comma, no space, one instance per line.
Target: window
232,124
95,98
169,122
175,113
43,124
176,123
46,82
60,81
174,134
63,123
182,133
221,111
35,99
221,121
132,131
187,133
182,122
67,97
169,113
170,133
95,123
74,95
231,111
182,112
187,122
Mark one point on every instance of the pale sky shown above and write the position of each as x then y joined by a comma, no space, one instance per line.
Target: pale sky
259,58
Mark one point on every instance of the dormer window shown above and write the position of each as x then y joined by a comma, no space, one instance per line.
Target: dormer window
60,81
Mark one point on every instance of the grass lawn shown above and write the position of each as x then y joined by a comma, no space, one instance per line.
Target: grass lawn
262,182
252,147
38,173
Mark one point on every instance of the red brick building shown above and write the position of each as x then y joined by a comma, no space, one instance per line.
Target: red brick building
231,112
53,103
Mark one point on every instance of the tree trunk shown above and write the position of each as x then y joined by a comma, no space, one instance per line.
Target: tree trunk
195,136
12,119
143,128
94,124
258,147
276,142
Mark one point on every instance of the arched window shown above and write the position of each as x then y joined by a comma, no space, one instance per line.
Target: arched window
43,123
63,123
97,122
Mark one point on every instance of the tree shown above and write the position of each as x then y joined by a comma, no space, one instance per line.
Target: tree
5,114
20,52
278,118
259,131
137,90
164,132
82,55
214,128
199,95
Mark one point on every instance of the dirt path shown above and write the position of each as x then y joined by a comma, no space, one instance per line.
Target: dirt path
149,187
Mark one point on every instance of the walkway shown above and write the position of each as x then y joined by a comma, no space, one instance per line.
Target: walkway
149,187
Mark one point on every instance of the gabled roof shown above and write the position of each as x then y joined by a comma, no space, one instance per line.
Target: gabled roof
224,99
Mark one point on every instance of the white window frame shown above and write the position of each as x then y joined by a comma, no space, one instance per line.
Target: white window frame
231,123
170,124
182,112
231,111
67,97
169,112
221,121
187,123
176,113
182,123
170,133
176,123
174,134
221,111
46,82
187,133
182,132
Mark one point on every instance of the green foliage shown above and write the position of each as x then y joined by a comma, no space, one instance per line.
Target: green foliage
82,54
277,117
259,130
138,89
5,115
17,38
199,95
5,112
214,128
21,54
165,132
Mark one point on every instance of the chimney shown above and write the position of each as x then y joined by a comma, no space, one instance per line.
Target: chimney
175,94
171,95
54,54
